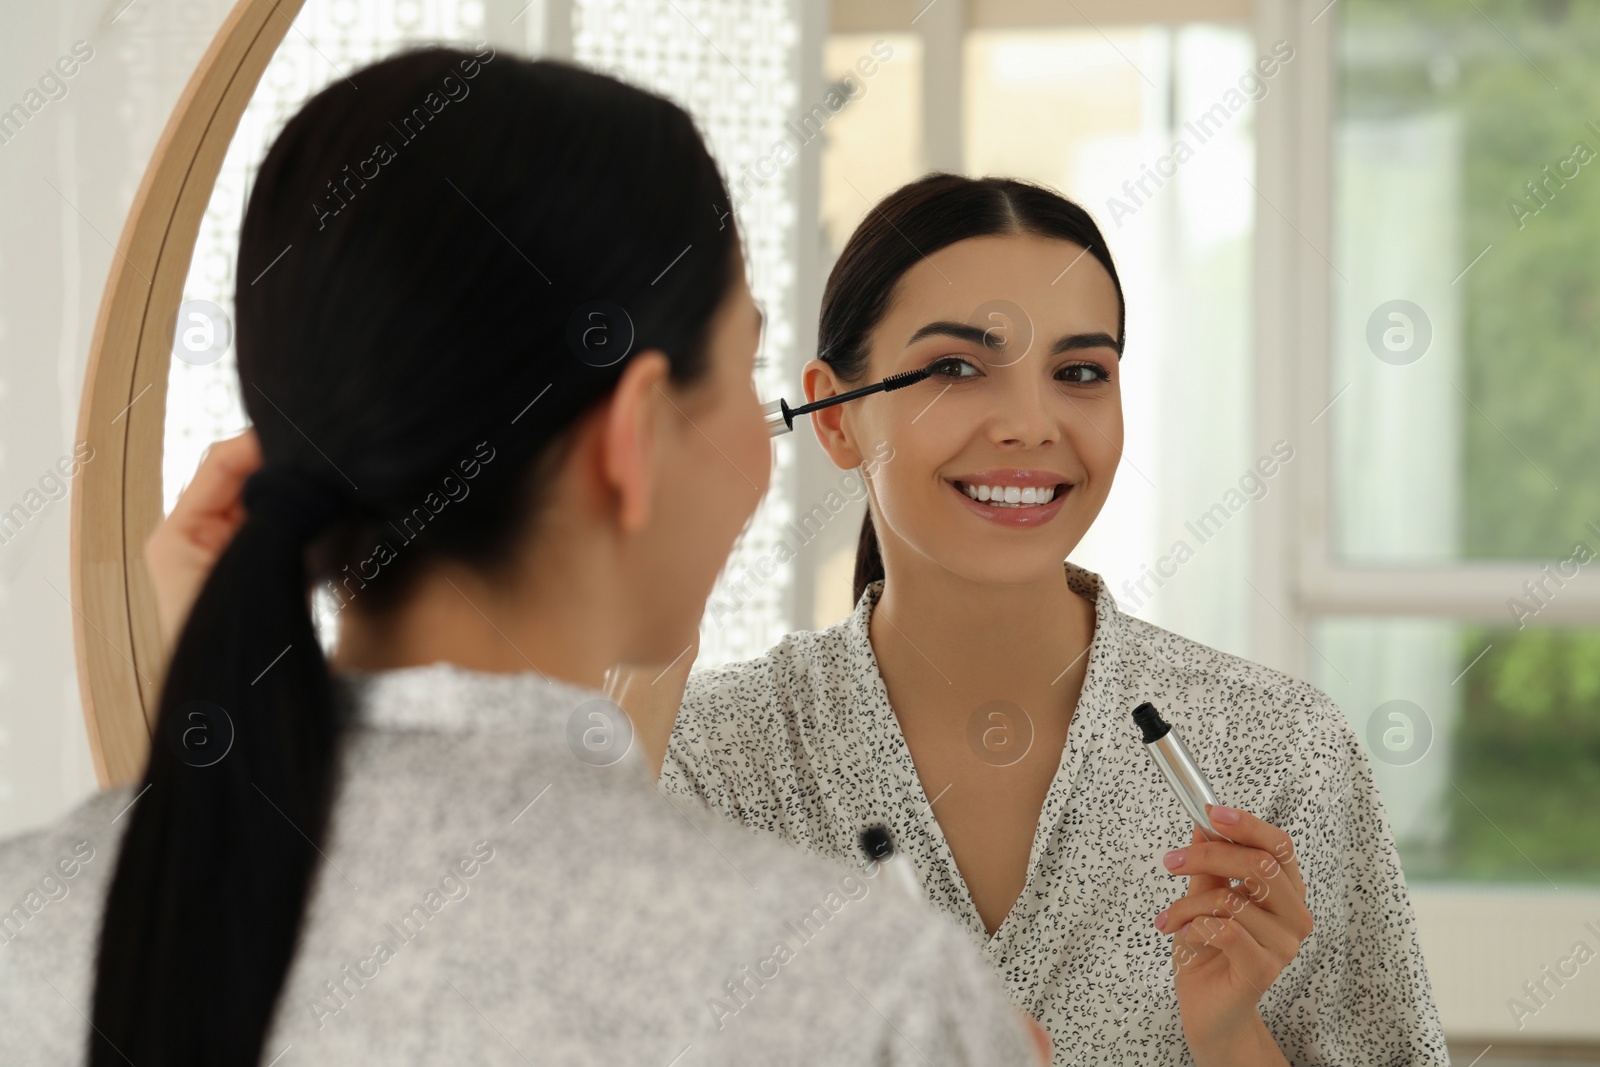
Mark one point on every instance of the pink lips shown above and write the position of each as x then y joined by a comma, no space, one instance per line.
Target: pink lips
1022,479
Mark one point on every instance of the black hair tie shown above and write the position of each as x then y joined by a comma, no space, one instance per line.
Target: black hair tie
292,500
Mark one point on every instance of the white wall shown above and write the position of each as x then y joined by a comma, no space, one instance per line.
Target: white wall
67,179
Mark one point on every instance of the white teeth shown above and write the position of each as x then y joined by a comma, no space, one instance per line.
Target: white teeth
1011,495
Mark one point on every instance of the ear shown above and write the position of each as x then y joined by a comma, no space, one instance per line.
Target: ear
833,432
628,436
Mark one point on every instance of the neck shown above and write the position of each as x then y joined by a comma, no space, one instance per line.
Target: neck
454,616
975,636
541,625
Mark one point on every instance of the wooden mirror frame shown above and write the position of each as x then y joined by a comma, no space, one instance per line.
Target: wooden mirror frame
117,503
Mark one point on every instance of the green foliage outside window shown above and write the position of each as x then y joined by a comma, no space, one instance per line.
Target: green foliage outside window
1523,77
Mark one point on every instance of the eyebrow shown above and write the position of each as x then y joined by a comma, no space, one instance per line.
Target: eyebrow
978,336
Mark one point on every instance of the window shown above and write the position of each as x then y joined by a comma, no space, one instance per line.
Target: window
1466,314
1431,272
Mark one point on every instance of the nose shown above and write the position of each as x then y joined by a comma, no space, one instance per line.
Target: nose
1025,418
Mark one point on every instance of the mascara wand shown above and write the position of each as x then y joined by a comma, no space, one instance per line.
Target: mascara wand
780,416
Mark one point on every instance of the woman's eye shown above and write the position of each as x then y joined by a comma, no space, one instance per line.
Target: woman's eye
950,367
1083,373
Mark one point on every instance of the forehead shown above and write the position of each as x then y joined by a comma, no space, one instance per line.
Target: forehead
1060,287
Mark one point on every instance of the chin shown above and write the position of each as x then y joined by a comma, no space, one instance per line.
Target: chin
1008,568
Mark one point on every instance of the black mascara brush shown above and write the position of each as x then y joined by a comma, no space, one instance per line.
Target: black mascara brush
780,416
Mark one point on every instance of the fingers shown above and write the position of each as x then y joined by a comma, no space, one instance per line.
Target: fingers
1214,863
219,480
1264,885
1260,849
1246,956
1255,833
1281,934
184,546
1041,1036
1200,881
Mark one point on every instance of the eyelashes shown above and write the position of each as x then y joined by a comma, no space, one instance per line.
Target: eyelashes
949,367
939,367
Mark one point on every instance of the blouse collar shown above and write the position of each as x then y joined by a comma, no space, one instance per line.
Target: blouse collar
448,698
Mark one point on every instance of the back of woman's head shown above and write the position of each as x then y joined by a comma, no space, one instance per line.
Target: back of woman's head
444,262
908,225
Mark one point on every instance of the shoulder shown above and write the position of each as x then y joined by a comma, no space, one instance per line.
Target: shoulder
592,890
52,888
799,660
807,939
805,676
1284,738
70,852
1245,693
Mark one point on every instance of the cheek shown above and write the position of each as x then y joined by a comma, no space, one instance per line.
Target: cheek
736,450
755,444
924,436
1095,434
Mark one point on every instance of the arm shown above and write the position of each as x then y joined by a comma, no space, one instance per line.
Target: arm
1365,998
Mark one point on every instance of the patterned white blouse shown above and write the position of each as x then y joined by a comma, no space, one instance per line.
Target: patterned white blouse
502,884
802,742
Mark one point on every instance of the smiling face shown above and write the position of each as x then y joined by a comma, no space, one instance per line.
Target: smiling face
1024,398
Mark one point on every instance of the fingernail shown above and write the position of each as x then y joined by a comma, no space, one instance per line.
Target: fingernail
1183,931
1161,918
1224,815
1174,859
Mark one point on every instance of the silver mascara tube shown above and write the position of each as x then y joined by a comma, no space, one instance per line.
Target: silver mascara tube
1178,767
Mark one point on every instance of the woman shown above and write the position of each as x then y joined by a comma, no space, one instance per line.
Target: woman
979,699
498,384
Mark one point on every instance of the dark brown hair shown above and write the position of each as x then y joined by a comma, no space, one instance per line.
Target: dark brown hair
378,350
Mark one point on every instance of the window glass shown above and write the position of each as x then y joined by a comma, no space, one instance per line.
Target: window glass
1464,390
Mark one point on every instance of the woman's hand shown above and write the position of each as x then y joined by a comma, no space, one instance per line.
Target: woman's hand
184,547
1230,942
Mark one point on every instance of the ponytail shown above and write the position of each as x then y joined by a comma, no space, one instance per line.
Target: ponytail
201,917
869,562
